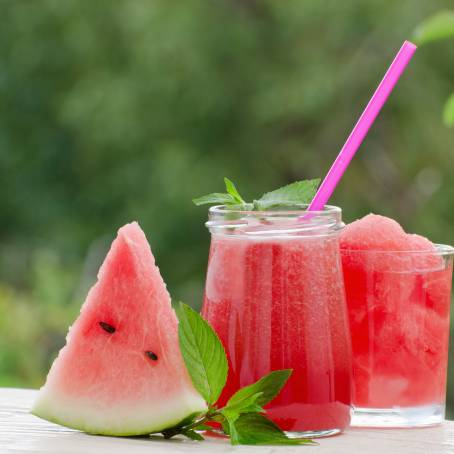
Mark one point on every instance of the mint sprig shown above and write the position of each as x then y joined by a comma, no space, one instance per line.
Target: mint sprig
243,418
257,429
293,194
267,388
215,198
231,190
299,192
203,354
231,197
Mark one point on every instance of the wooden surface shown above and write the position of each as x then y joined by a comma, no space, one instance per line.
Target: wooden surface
21,432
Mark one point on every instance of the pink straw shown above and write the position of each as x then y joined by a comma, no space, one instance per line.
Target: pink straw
361,128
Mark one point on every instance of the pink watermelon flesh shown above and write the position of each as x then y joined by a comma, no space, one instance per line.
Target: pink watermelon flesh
386,245
121,371
374,232
379,233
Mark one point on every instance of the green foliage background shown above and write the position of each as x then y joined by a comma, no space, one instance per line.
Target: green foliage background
114,111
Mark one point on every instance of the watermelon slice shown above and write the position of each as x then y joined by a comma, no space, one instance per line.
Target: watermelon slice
121,371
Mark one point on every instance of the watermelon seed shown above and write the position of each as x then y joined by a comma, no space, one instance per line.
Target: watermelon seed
152,356
106,327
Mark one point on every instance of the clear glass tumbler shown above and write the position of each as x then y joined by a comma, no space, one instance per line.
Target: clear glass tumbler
275,295
399,305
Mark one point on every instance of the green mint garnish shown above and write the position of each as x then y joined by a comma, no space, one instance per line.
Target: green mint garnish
294,194
231,189
243,418
299,192
268,387
231,197
215,198
203,353
257,429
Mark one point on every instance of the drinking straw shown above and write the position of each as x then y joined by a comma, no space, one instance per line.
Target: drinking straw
361,128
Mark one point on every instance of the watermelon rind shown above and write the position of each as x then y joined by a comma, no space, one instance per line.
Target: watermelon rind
117,420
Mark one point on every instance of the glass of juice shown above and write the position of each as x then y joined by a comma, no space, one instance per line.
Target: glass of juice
399,302
275,296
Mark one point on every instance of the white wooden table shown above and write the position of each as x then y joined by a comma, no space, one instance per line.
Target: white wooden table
21,432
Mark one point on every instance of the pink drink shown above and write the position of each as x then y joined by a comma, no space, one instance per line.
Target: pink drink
276,300
398,300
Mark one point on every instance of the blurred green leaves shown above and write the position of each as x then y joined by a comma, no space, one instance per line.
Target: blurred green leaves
439,26
434,28
448,111
33,323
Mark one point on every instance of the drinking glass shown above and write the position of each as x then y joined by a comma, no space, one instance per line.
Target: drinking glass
398,305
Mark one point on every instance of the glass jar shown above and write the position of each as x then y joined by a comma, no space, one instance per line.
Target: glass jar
275,296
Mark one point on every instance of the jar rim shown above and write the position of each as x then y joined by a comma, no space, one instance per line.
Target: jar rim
290,222
224,209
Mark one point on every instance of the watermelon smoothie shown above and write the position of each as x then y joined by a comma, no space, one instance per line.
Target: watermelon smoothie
275,296
398,290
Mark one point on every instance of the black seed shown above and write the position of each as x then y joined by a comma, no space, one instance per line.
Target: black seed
106,327
152,356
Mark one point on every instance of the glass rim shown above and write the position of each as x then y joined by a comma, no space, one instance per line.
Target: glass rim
440,250
224,209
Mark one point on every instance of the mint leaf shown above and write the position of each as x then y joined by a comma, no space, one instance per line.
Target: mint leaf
215,198
193,435
202,352
267,388
228,426
231,197
247,404
256,429
203,427
299,192
436,27
232,412
448,111
231,189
